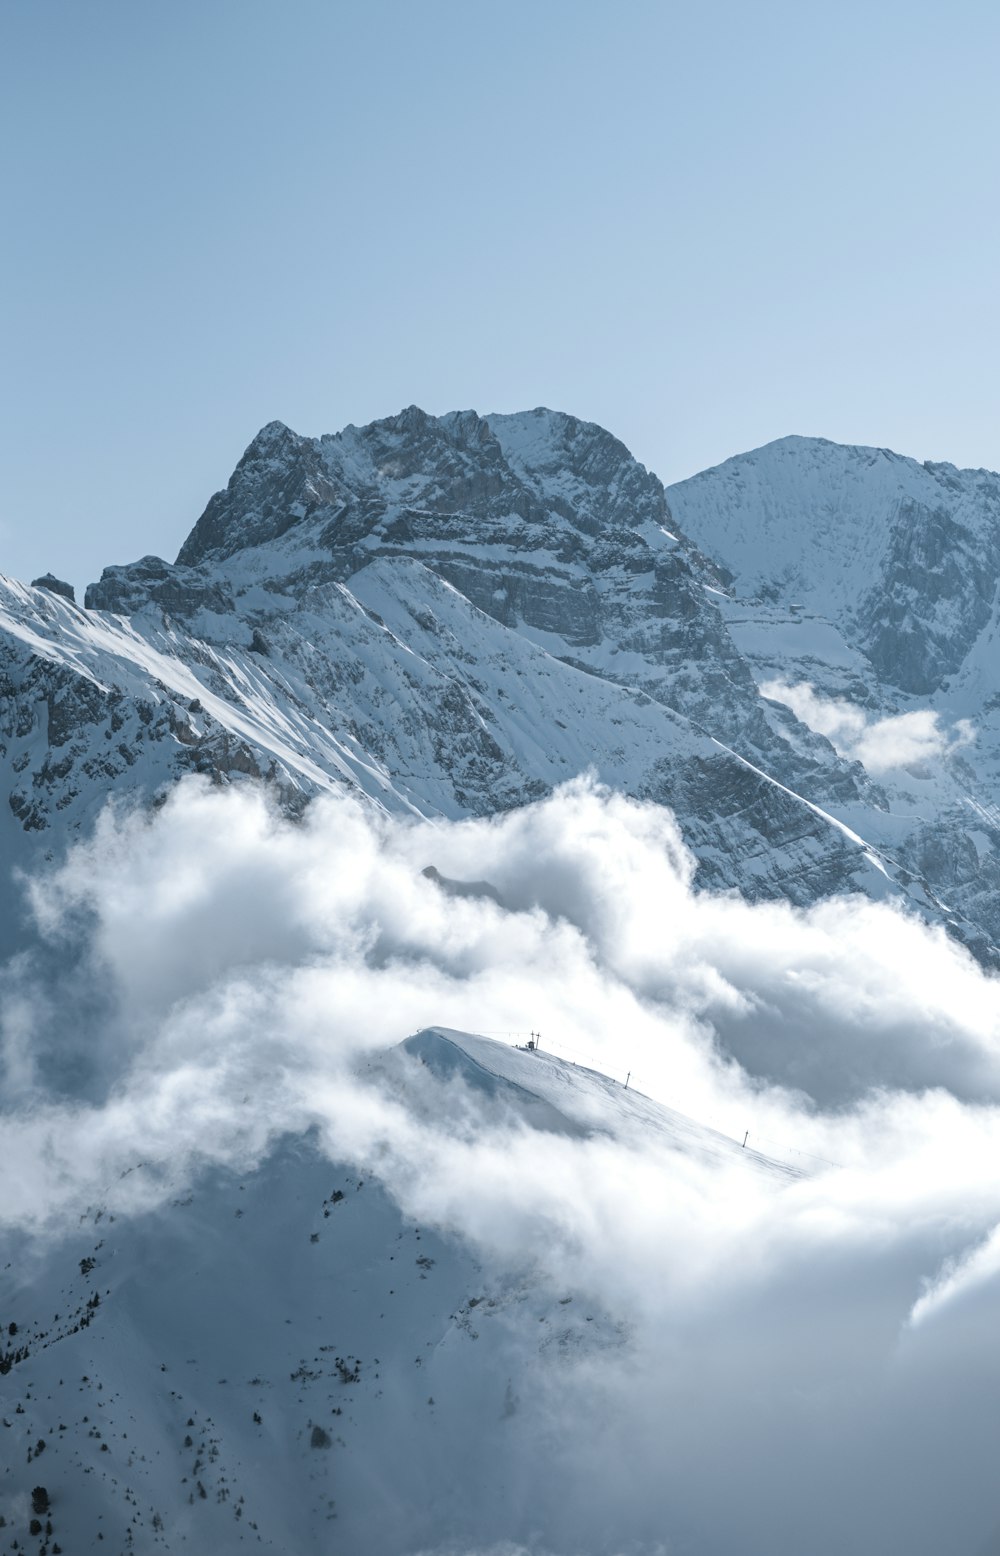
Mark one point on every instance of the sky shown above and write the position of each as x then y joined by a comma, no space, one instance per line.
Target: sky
701,226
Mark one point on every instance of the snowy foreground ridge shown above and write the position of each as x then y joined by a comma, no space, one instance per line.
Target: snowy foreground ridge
453,726
284,1360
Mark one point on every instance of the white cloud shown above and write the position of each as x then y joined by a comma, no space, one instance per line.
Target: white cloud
881,745
786,1346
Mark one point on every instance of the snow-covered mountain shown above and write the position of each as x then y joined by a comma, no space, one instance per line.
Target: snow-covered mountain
871,584
439,1295
454,614
904,558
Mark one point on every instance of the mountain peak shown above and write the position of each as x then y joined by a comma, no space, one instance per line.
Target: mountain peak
266,494
273,439
411,419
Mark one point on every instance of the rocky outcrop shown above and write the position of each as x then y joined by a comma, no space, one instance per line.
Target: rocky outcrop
175,590
55,586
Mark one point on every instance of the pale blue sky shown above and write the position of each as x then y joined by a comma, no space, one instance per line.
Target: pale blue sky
703,225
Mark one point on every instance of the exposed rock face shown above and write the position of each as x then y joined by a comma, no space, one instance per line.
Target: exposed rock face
173,589
453,614
935,593
55,586
279,481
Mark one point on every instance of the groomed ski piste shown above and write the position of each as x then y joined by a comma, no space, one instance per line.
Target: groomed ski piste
287,1359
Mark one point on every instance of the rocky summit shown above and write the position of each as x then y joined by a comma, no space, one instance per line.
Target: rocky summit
451,615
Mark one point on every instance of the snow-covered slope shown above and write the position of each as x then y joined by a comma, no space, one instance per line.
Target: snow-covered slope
903,557
873,582
286,1361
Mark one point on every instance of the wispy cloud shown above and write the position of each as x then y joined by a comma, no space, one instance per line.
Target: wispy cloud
881,745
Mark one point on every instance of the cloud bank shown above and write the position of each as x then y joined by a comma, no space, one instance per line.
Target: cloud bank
807,1367
902,740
